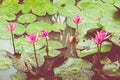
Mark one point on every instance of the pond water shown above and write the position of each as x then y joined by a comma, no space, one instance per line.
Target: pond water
5,74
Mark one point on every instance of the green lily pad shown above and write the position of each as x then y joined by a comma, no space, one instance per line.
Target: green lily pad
5,62
39,11
106,60
52,45
115,39
89,47
9,16
58,27
59,3
20,29
29,60
112,27
4,33
84,27
14,8
69,11
111,70
110,1
26,8
72,68
52,9
22,46
27,18
84,4
36,27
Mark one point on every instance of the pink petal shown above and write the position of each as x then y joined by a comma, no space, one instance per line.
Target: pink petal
32,38
77,19
11,26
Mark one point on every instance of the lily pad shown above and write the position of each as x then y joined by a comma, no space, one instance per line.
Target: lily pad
106,60
52,9
5,62
14,8
9,16
72,68
29,60
115,39
26,8
39,11
58,27
36,27
84,4
88,47
59,3
69,10
52,45
4,33
27,18
111,70
20,29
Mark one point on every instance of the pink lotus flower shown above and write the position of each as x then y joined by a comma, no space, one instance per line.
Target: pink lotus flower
11,26
77,19
32,38
44,33
100,37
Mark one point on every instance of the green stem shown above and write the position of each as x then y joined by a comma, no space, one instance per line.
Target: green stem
13,42
99,50
47,50
35,55
76,29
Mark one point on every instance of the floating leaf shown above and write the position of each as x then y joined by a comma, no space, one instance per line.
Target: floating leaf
26,8
20,29
9,16
58,27
22,46
36,27
69,10
4,33
27,18
14,8
39,11
53,45
5,62
106,60
84,4
115,39
111,70
110,1
27,61
72,69
88,47
59,3
52,9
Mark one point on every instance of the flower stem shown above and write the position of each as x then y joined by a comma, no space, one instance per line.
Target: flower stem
13,42
76,30
99,50
35,55
47,50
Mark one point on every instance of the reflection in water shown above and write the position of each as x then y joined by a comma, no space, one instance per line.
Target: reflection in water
5,74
